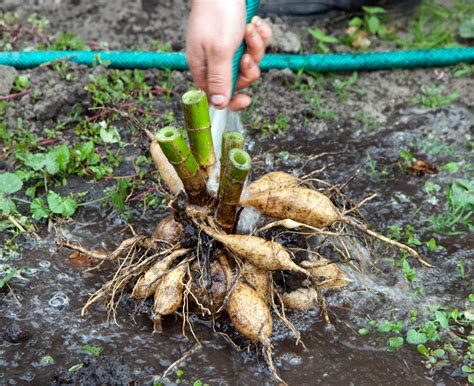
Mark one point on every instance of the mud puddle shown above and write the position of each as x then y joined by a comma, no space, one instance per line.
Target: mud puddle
43,318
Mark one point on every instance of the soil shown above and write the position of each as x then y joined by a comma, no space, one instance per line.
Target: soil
43,317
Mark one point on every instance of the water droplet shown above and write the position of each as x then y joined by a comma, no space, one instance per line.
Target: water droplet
59,300
45,264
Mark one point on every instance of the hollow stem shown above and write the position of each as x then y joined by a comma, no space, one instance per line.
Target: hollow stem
230,140
230,188
171,141
198,126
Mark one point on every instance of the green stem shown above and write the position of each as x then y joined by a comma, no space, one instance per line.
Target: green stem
198,126
14,221
93,201
230,188
21,200
171,141
230,140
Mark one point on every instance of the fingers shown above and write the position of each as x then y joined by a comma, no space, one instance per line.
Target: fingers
255,45
257,37
263,29
249,72
239,102
197,66
219,77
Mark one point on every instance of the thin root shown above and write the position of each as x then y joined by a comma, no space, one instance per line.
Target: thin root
186,355
124,245
385,239
360,204
267,353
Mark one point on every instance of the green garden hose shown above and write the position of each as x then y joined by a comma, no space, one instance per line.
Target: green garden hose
251,10
312,62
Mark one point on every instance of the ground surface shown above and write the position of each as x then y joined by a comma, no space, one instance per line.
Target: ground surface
57,142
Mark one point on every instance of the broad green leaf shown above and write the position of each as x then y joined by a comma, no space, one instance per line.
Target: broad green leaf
373,10
10,183
61,205
7,206
374,24
467,369
11,272
407,156
415,337
86,150
466,29
51,164
355,22
442,319
93,350
422,349
430,330
363,331
34,161
451,167
109,134
46,360
75,368
38,209
431,244
461,194
101,170
395,342
63,156
21,82
385,326
430,187
321,36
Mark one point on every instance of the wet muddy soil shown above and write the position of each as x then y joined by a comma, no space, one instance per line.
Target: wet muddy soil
372,123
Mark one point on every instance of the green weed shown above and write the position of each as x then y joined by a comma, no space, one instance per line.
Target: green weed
444,339
460,201
319,110
373,170
67,41
269,129
432,96
342,84
322,40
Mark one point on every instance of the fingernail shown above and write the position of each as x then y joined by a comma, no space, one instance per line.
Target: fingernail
257,21
217,99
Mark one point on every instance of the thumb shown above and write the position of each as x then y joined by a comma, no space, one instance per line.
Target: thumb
219,80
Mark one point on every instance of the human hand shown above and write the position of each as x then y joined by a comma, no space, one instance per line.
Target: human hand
215,31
